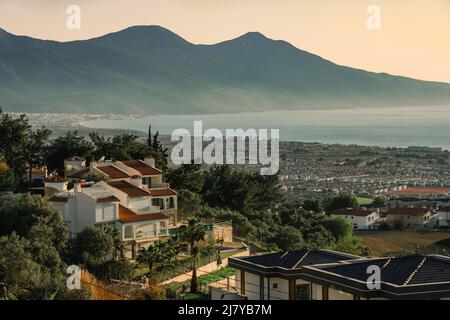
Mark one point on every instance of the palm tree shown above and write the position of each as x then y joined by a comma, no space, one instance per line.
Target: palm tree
192,233
114,233
150,256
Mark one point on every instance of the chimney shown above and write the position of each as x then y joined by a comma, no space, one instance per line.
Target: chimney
150,161
77,187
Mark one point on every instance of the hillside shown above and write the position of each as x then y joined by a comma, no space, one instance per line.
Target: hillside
149,69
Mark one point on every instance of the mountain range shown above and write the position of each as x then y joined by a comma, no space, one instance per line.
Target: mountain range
149,69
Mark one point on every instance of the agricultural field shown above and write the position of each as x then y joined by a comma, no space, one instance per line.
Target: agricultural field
386,243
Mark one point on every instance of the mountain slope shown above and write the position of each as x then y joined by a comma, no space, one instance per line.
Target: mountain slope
153,70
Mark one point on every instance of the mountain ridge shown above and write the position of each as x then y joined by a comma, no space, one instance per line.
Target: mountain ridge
150,69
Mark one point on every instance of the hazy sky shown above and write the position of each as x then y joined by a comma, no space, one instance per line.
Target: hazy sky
414,39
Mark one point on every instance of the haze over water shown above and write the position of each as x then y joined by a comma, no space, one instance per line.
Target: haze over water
398,127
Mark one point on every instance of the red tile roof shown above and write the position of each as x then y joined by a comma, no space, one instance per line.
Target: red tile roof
108,199
128,188
113,172
421,190
126,216
162,192
142,167
407,211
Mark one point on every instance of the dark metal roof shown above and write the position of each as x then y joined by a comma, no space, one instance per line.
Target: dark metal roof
296,259
406,277
412,276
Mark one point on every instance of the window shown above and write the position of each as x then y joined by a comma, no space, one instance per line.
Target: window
128,232
158,202
275,286
108,212
171,203
303,291
105,212
146,231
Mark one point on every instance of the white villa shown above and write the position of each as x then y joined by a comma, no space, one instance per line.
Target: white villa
129,195
360,218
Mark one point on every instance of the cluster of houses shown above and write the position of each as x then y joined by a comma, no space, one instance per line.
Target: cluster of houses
130,195
332,275
401,217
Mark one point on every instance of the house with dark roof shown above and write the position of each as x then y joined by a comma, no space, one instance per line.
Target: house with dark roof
279,276
331,275
410,217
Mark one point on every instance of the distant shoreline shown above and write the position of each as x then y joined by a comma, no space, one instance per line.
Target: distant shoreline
327,127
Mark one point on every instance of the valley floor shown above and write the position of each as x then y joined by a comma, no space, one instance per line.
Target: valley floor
387,243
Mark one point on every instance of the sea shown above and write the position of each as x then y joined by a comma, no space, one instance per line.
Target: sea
387,127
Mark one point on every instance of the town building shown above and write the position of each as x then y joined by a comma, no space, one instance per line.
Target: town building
443,217
410,217
360,218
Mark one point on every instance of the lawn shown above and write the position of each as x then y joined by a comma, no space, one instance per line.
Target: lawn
364,201
385,243
195,296
205,279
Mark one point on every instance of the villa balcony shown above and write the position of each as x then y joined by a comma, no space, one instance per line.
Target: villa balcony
146,232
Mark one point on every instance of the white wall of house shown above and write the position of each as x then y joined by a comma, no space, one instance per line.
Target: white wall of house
334,294
443,218
60,186
362,223
86,211
279,289
140,204
252,290
316,292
